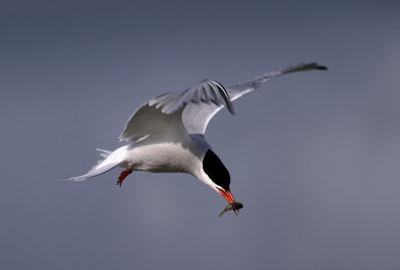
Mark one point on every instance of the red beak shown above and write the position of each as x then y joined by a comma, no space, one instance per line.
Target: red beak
227,195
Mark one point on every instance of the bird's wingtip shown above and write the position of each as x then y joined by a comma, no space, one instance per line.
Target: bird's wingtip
321,68
231,109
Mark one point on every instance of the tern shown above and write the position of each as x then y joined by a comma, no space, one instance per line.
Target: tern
166,133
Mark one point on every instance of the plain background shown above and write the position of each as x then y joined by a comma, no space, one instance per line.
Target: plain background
314,157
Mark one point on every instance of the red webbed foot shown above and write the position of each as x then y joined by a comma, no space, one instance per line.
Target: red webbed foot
123,175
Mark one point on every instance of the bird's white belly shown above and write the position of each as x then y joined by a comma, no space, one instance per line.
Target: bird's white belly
164,157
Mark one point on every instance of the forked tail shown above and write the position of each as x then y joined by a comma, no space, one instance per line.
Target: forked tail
110,161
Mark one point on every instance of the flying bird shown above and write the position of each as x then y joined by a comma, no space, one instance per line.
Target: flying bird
166,134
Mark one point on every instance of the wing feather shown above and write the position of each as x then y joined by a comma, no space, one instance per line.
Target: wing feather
172,101
161,117
175,114
196,117
149,122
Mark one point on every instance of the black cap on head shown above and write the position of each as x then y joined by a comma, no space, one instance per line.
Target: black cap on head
217,172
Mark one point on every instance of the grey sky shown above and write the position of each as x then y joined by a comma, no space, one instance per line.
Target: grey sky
314,157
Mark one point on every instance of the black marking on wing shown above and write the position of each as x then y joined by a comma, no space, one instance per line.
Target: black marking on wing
225,96
217,172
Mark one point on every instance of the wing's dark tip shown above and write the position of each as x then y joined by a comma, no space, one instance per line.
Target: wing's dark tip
321,68
225,96
231,110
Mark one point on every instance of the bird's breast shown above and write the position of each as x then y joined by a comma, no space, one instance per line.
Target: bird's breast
165,157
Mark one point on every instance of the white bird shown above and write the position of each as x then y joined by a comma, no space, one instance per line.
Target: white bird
166,134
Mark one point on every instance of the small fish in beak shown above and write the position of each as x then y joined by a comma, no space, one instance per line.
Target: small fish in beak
235,206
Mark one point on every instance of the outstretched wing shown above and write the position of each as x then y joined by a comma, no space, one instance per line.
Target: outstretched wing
161,118
196,116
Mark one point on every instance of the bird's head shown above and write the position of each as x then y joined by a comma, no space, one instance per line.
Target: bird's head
219,178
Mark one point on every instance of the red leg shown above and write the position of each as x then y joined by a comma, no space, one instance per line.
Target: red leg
123,175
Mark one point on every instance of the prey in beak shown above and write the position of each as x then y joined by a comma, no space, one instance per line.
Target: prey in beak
233,205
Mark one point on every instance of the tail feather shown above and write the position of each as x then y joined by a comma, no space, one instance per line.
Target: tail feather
105,154
93,172
110,161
